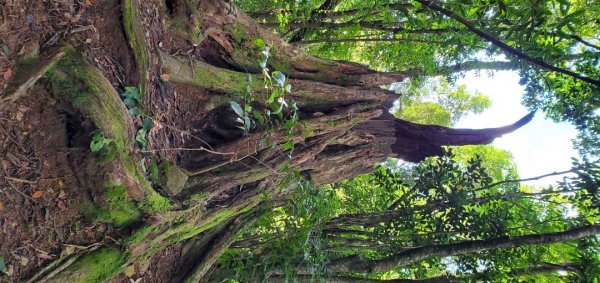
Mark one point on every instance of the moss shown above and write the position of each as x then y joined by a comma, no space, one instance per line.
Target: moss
307,131
97,266
92,95
199,197
118,208
238,32
139,235
279,62
216,78
196,32
154,202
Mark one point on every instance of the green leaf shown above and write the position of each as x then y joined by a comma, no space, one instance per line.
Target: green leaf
147,125
131,92
279,78
96,146
153,170
259,117
289,145
140,137
271,98
237,108
2,265
247,123
133,111
5,50
260,43
129,102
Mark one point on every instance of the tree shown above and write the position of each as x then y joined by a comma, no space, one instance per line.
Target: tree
456,216
174,133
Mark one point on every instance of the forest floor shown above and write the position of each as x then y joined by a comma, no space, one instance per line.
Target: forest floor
46,210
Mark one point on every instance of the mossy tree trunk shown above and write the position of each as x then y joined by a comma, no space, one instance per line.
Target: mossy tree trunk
191,58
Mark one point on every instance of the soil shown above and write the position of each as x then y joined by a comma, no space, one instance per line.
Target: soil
44,159
48,175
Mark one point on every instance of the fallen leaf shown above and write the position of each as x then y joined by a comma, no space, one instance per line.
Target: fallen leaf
68,250
61,204
130,271
7,74
165,77
1,206
37,194
24,261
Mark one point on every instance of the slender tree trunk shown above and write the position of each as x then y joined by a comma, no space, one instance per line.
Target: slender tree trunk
356,264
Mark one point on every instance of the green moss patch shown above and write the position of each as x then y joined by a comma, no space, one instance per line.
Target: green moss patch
97,266
118,208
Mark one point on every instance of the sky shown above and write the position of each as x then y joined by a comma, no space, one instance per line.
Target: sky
538,148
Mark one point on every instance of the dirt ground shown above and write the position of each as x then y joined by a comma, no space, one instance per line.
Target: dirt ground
48,176
43,162
46,168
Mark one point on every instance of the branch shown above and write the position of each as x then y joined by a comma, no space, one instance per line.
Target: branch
415,142
350,279
329,13
355,263
466,66
314,17
376,25
585,42
363,39
511,50
526,179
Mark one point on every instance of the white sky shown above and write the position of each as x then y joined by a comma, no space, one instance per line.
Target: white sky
538,148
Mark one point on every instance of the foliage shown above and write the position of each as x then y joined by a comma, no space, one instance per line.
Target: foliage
278,86
2,266
435,101
131,99
287,238
102,145
450,199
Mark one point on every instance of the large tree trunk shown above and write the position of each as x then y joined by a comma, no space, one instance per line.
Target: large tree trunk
188,58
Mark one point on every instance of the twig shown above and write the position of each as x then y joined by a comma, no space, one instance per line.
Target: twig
20,180
524,180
